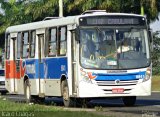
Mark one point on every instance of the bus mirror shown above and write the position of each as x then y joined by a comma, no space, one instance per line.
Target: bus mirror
77,35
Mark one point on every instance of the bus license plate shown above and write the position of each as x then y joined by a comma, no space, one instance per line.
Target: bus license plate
117,90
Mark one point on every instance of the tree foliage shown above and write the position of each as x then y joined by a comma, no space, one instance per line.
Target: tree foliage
151,7
156,53
41,9
26,11
13,14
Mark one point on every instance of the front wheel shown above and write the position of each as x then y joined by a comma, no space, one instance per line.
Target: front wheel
68,101
129,101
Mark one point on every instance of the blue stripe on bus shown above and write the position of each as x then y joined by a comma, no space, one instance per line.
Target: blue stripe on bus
53,68
127,76
50,68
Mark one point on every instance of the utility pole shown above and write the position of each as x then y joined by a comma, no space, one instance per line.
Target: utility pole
60,8
142,9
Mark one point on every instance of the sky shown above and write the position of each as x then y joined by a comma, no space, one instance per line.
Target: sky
155,26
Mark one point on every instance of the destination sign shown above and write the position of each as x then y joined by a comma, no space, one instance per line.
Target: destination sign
111,20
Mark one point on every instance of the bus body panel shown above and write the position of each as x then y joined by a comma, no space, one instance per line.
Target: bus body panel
88,90
13,75
50,68
103,85
45,72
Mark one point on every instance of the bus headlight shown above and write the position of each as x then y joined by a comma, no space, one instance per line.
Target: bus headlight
148,75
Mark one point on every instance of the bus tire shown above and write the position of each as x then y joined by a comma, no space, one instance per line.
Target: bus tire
129,101
68,101
3,92
27,91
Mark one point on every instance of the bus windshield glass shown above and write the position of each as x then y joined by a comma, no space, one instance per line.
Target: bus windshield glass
114,48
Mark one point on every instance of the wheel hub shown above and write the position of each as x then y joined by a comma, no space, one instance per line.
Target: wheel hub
65,94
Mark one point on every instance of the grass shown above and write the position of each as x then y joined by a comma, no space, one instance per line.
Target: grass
9,108
156,83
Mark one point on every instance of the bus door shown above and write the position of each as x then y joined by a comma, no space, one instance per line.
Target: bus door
41,50
74,63
14,64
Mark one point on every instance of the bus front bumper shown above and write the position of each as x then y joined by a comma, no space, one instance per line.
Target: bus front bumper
89,90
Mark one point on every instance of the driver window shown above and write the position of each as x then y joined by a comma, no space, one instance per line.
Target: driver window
88,44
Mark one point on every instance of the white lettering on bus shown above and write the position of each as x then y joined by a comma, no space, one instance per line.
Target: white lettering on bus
30,69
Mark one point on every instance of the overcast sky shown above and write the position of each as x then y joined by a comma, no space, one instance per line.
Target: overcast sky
156,25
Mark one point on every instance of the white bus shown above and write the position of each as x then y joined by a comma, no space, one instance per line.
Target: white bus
93,55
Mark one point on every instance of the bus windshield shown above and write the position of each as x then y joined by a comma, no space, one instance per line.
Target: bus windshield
110,48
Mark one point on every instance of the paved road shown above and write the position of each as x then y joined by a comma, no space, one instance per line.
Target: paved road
145,106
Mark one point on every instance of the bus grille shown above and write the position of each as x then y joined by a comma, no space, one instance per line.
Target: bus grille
117,83
108,85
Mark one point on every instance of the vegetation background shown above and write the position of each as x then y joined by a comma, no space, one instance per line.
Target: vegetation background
14,12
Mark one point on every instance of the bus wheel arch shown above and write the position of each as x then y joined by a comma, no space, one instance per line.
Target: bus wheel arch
63,78
67,100
25,78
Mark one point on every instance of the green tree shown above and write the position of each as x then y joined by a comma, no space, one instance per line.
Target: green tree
156,53
41,9
34,10
13,14
151,7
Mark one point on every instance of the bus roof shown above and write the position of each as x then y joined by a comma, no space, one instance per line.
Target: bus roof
59,22
110,14
42,24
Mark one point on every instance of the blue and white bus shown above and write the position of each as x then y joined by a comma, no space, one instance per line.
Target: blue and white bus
93,55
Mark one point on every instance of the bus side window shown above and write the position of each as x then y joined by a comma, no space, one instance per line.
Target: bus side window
32,44
63,40
25,45
8,47
52,46
18,45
